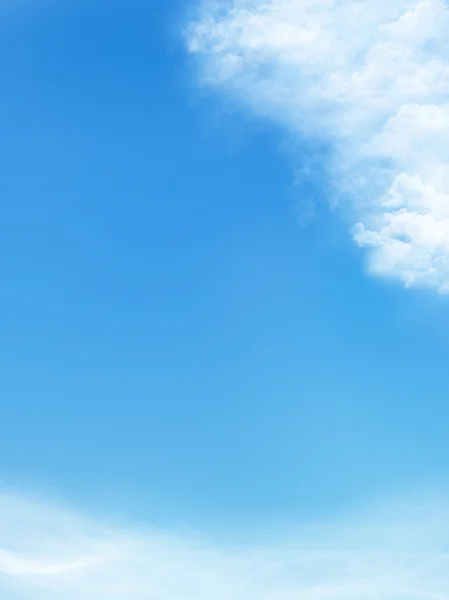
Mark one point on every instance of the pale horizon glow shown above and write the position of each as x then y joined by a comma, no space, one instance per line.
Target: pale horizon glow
395,551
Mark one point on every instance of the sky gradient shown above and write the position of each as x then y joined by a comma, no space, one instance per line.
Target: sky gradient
224,265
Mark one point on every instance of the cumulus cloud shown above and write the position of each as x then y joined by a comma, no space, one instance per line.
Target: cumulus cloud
371,79
47,552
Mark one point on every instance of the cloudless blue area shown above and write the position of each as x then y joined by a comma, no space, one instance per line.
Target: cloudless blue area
173,342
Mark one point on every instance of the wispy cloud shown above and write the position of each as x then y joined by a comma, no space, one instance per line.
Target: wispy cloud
48,552
369,77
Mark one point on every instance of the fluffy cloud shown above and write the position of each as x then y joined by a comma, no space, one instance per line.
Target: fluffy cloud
47,552
371,79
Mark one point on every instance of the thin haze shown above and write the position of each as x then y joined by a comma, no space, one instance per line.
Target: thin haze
50,552
370,78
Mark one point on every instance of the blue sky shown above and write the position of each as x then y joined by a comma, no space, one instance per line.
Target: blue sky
192,338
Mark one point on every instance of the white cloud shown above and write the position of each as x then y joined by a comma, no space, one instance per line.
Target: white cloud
370,77
51,553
